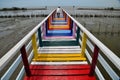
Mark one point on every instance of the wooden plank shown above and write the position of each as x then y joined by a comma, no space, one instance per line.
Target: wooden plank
66,67
59,55
61,59
60,43
59,19
80,77
40,72
60,63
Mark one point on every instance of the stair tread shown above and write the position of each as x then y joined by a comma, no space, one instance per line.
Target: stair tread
59,55
59,50
60,47
59,31
60,72
59,37
77,58
83,77
59,34
66,67
60,43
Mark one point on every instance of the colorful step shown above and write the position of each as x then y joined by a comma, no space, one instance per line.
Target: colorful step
59,19
58,23
60,72
60,43
59,27
54,38
60,49
59,31
59,34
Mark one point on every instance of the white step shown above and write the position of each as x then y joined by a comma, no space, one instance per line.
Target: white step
59,38
55,39
60,49
58,63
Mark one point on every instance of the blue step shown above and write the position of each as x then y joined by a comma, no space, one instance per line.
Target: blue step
58,20
59,31
59,34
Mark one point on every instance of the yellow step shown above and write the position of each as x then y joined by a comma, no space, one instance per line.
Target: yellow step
59,19
59,57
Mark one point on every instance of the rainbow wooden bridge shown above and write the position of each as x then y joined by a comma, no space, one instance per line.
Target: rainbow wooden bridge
59,49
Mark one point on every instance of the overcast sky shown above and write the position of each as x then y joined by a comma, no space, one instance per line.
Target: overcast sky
38,3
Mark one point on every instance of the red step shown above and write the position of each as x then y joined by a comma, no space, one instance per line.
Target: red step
83,66
60,78
59,72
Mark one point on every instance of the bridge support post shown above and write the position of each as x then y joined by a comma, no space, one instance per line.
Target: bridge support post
25,60
94,60
34,45
84,39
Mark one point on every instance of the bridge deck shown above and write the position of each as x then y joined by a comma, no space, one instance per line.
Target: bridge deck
59,49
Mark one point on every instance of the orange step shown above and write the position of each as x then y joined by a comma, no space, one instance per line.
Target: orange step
59,19
59,27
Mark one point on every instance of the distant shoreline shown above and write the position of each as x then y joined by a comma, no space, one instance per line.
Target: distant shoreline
17,9
46,8
111,8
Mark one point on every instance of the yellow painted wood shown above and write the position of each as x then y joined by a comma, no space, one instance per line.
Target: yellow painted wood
84,39
60,59
59,55
34,45
59,19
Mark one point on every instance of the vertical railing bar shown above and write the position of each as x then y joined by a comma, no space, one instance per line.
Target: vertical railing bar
40,38
105,65
83,46
21,73
99,74
94,60
78,32
25,60
34,45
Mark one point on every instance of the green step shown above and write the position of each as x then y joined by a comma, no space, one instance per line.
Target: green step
60,43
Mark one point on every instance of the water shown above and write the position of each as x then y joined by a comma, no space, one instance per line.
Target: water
107,30
69,9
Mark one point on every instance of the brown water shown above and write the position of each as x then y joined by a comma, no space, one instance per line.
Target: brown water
107,30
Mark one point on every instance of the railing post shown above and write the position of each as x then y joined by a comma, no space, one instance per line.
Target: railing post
40,38
84,39
34,45
78,34
94,60
25,60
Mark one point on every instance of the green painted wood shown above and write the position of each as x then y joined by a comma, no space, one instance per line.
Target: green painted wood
40,38
78,34
60,43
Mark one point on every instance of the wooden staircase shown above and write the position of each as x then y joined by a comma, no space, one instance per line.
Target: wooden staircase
59,46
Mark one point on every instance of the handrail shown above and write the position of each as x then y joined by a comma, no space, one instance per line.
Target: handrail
111,56
10,54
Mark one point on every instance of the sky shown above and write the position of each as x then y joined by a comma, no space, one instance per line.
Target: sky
38,3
